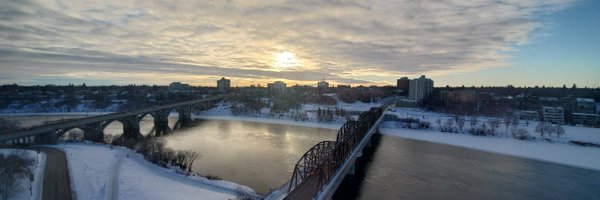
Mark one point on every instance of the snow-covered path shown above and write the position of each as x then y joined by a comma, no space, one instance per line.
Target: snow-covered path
114,183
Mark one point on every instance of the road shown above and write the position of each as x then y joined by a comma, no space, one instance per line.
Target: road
57,184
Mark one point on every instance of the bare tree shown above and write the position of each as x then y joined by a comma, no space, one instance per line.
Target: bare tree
520,134
494,124
190,157
13,167
439,123
473,121
461,123
515,122
507,122
559,130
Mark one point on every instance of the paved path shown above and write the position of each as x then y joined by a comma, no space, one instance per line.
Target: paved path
57,184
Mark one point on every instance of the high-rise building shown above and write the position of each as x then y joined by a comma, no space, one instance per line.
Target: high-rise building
403,85
420,88
223,84
277,87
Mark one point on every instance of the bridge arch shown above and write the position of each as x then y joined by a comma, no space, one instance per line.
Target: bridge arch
314,167
71,134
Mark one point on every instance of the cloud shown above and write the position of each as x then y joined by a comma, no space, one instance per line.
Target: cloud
343,41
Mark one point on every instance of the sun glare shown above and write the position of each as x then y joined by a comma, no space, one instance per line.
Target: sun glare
285,59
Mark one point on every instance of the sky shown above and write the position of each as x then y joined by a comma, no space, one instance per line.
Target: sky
455,42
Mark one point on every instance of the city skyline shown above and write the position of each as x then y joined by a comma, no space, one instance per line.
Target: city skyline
481,43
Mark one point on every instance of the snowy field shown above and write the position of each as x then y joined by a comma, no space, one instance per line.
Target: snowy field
38,174
101,173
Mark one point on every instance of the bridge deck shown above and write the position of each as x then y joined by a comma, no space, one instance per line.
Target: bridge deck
307,190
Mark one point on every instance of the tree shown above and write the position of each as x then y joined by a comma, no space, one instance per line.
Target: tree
559,130
473,121
461,123
520,134
543,128
507,122
13,167
439,123
190,157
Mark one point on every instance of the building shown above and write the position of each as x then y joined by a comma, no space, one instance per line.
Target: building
585,105
403,85
530,115
277,87
462,96
178,87
420,88
555,115
223,84
323,85
586,119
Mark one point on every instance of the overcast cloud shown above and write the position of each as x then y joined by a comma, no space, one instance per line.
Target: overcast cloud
156,42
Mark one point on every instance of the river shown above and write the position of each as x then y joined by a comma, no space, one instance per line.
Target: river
411,169
263,156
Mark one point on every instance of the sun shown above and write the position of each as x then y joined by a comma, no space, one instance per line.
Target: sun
285,59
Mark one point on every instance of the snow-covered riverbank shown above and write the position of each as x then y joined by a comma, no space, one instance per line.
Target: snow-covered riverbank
92,167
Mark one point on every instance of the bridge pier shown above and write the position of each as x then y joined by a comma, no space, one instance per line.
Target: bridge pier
131,127
93,132
185,117
161,122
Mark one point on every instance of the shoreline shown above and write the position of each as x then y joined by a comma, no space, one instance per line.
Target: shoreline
565,154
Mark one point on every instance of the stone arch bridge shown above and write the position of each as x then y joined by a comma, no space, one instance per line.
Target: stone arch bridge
93,127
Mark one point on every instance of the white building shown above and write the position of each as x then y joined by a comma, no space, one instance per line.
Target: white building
586,119
420,88
554,114
323,84
277,87
223,84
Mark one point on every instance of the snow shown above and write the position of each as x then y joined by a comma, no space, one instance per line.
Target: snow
548,148
38,174
572,133
585,157
222,112
96,170
333,125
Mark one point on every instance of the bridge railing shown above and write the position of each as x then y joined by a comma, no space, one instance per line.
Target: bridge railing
322,161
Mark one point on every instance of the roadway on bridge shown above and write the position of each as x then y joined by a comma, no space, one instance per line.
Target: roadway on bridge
57,184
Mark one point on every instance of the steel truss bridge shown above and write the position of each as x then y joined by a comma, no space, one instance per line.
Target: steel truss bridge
323,167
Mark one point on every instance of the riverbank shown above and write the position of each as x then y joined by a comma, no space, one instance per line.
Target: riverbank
98,168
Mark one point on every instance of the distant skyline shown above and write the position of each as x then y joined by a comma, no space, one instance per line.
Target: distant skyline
480,43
